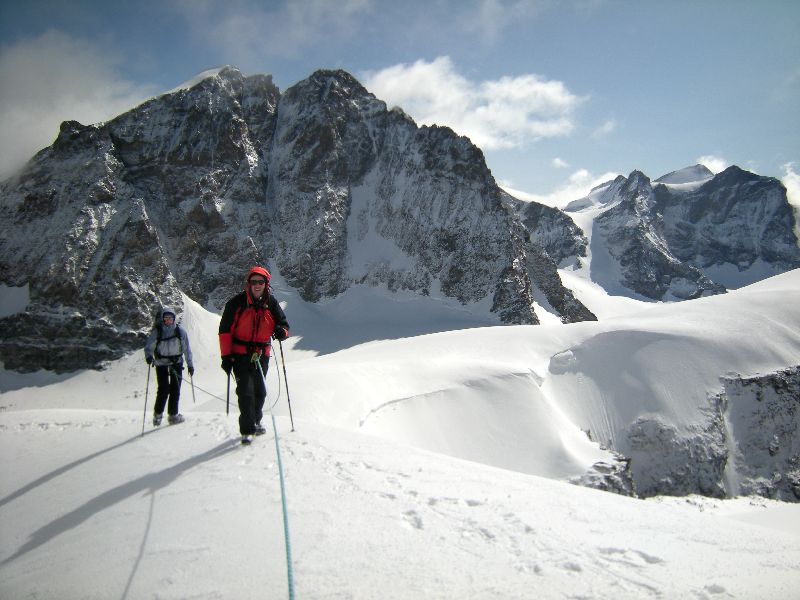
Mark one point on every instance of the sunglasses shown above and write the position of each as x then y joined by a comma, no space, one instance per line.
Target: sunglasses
258,282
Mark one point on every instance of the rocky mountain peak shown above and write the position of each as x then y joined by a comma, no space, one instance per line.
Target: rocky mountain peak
686,241
334,81
186,191
637,180
735,176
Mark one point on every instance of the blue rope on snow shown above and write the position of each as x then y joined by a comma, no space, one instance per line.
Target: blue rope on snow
286,539
288,545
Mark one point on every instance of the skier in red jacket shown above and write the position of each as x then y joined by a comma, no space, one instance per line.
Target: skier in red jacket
249,320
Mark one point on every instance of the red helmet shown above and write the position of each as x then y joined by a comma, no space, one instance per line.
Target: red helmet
259,271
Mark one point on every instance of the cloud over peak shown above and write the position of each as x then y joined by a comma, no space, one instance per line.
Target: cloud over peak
504,113
715,164
52,78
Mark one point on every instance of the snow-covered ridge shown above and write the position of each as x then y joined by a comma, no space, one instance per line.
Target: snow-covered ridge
532,400
548,400
203,75
694,175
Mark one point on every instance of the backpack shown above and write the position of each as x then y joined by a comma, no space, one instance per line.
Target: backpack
175,334
158,325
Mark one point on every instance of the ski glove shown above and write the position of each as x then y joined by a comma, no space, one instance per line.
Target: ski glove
227,364
280,334
148,360
191,371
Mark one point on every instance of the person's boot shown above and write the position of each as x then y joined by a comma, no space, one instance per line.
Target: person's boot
157,419
175,419
260,429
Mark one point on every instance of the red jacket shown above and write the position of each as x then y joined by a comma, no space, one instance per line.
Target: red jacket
247,325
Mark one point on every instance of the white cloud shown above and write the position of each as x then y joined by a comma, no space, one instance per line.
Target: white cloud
505,113
54,78
577,186
559,163
791,180
715,164
608,127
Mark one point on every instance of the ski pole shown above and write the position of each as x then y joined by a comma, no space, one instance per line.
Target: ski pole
191,380
146,391
288,398
228,399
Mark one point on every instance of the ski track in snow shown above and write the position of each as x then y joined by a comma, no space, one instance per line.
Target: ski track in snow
184,512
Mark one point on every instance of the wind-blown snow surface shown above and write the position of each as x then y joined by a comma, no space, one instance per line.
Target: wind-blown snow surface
457,492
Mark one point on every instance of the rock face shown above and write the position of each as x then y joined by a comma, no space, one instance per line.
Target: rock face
680,239
748,444
113,219
632,234
556,241
186,191
764,419
670,462
612,476
547,226
737,218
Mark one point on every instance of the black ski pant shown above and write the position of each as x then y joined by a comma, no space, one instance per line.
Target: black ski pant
169,379
251,391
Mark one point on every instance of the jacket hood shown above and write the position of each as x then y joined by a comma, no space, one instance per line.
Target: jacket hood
256,271
167,329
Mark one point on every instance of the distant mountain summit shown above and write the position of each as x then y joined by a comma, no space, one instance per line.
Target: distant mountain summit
690,233
322,183
695,173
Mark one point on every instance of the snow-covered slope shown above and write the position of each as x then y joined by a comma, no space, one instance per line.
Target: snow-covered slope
509,396
695,175
375,505
532,399
90,509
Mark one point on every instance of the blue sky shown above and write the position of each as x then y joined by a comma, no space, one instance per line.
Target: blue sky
558,94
